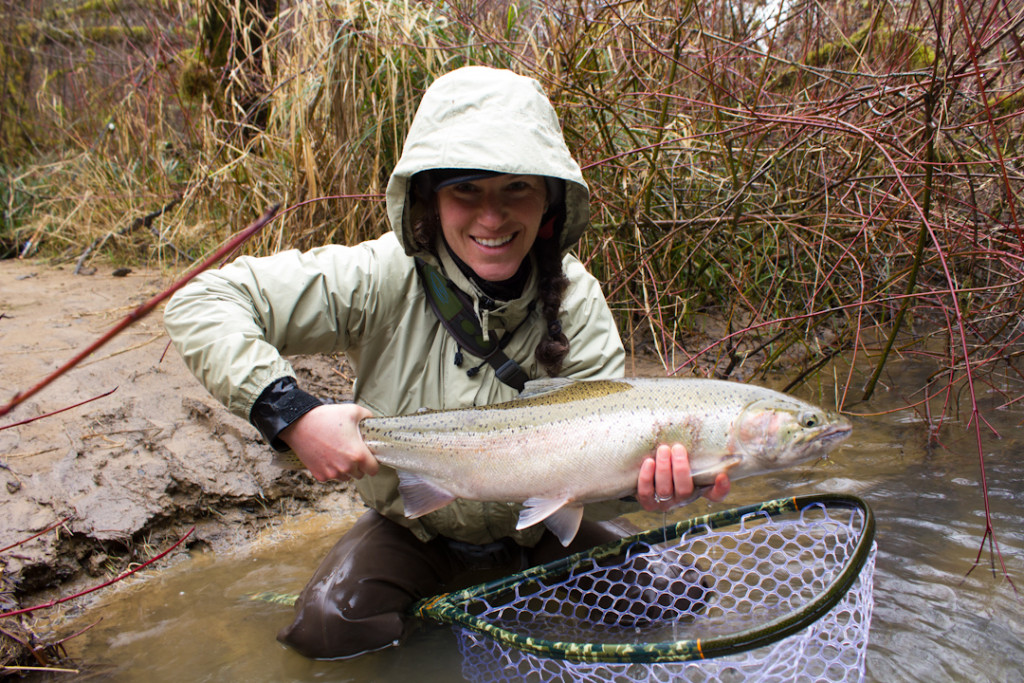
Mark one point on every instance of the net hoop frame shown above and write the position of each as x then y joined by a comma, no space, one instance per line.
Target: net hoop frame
445,608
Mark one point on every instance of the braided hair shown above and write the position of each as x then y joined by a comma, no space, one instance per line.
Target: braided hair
553,348
552,280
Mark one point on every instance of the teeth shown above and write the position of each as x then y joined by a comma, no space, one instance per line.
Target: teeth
497,242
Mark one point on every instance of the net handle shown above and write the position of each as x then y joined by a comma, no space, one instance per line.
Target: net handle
444,608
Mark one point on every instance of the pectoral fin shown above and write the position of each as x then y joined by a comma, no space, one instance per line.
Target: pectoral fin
420,496
562,519
698,491
705,476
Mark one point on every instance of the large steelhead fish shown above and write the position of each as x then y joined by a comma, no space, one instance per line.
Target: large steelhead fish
564,443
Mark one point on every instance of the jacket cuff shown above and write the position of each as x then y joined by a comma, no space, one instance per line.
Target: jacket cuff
280,404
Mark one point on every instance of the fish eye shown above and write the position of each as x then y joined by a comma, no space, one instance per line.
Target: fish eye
809,420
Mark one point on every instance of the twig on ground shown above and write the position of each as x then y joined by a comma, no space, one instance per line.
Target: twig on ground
55,412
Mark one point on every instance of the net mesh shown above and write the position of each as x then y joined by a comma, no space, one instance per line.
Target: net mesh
767,594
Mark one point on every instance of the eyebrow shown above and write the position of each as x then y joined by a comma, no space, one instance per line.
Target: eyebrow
511,177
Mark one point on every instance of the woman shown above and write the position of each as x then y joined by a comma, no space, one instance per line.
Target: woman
487,194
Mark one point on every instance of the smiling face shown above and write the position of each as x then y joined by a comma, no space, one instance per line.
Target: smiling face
492,223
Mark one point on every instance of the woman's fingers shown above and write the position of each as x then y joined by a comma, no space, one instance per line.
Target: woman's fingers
666,480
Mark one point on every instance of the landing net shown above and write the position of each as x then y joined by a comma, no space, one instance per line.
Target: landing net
781,591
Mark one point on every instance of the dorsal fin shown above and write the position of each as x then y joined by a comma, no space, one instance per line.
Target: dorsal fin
556,390
537,387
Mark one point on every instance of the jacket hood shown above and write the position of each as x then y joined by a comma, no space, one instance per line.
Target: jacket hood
477,117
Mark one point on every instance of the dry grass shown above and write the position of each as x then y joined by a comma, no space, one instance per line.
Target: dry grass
833,179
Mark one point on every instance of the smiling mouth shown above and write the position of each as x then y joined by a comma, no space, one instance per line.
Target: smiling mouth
496,242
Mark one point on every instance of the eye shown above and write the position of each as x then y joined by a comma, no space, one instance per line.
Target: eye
809,420
465,188
524,185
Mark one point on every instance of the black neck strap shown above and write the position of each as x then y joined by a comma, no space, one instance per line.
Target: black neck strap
455,311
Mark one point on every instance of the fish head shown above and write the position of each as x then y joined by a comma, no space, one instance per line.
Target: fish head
777,432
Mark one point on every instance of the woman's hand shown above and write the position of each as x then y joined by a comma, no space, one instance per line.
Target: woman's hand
665,481
328,442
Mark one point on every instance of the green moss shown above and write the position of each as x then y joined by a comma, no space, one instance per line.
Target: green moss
105,35
1003,105
118,34
196,79
103,8
922,57
831,53
873,38
859,36
89,7
98,6
904,41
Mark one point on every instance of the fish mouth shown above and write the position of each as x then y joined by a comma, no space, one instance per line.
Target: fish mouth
833,434
819,445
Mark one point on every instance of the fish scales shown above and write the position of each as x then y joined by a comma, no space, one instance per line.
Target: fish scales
566,443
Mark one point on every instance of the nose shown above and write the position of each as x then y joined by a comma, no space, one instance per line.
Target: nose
492,211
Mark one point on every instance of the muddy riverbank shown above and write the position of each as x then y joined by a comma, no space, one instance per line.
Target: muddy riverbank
128,474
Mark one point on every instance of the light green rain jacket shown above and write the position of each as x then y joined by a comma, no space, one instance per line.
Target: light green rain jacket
233,326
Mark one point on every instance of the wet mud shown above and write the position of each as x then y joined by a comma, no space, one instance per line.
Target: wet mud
128,474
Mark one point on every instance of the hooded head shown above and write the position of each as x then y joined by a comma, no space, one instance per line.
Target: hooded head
482,119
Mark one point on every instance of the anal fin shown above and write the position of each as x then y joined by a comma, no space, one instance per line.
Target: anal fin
563,519
565,523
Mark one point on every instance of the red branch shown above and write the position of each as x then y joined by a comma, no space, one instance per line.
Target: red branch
119,577
146,308
26,540
40,417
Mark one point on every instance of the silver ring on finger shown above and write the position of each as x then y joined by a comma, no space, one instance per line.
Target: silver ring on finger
660,499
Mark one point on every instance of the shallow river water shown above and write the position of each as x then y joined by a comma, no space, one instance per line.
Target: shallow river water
195,622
